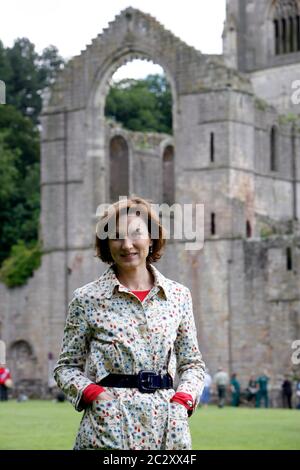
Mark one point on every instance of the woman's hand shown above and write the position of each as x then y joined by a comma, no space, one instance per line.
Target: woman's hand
105,396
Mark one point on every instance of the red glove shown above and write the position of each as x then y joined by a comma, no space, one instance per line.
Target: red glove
184,399
91,392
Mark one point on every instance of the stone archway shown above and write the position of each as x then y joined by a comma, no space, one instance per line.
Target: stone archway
95,119
21,360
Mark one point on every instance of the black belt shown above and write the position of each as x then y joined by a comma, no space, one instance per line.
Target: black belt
146,381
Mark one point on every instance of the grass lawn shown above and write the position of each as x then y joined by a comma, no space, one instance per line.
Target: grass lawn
245,428
47,425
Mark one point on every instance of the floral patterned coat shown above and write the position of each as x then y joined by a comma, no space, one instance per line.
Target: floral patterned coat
109,330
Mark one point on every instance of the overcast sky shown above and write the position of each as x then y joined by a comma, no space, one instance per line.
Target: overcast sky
71,24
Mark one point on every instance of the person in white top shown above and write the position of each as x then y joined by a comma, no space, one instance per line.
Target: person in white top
204,398
221,381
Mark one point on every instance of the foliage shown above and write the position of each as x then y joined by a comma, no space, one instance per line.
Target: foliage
21,134
261,104
26,73
19,179
288,118
8,170
141,105
266,232
21,263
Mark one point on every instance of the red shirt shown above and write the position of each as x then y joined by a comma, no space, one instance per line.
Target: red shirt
4,375
141,294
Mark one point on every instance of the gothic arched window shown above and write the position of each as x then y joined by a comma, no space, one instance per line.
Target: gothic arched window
212,146
248,229
286,27
274,149
119,168
213,223
289,259
22,360
168,175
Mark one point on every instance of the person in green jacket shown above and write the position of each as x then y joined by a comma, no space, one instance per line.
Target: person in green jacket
262,383
235,390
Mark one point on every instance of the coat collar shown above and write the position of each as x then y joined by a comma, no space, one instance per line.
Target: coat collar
109,282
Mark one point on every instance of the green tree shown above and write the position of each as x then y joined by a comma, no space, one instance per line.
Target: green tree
19,180
5,68
8,171
141,105
21,264
22,135
50,62
26,74
22,88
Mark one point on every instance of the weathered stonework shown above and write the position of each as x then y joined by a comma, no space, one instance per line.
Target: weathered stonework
246,301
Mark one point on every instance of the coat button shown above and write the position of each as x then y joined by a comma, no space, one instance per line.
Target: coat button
143,329
144,419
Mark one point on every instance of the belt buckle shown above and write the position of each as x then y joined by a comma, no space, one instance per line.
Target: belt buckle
144,377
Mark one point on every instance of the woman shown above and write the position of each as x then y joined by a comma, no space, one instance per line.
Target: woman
123,335
205,396
251,389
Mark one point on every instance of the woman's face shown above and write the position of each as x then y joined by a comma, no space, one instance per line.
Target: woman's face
131,247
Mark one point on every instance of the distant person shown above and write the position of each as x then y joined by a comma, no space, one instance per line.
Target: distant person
287,392
252,389
298,394
5,382
221,381
235,390
205,396
262,393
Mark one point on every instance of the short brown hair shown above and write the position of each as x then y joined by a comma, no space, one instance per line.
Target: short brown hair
149,216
